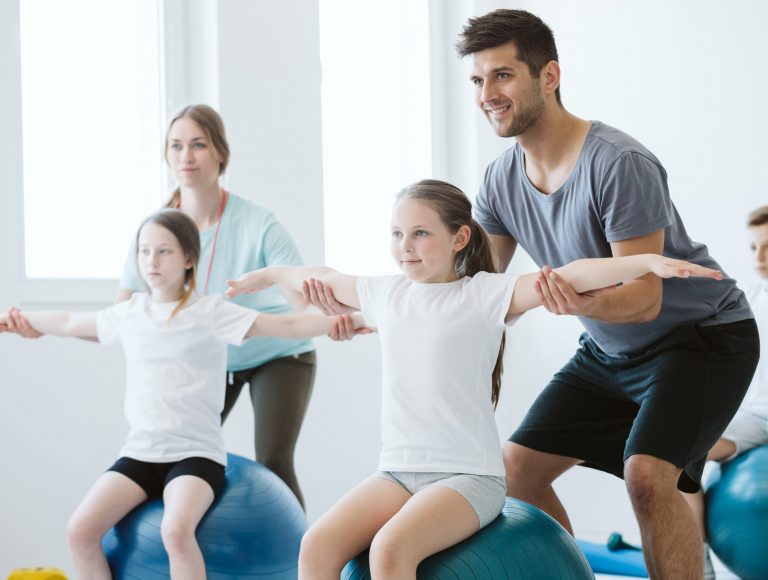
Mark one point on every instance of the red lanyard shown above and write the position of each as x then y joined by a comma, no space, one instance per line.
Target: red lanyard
215,237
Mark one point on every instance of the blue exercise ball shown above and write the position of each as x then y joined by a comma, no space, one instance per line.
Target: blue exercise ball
523,543
253,530
737,513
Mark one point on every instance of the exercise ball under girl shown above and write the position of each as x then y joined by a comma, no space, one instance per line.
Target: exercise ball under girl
253,531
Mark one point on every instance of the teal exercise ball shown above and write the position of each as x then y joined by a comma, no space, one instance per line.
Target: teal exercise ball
253,530
737,513
523,543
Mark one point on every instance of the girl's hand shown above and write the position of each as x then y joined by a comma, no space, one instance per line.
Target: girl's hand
670,268
321,296
16,323
344,328
248,283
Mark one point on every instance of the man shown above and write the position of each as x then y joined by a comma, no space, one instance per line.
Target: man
662,367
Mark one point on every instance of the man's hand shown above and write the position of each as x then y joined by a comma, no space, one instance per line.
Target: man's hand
321,296
558,297
344,328
16,323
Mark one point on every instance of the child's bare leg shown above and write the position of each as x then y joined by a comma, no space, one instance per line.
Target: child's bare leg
186,498
348,527
433,520
108,501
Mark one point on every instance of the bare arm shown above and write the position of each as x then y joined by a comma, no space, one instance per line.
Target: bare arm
638,300
343,286
590,274
304,325
503,248
77,324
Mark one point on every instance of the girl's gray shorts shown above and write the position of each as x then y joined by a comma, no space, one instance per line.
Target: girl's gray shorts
485,493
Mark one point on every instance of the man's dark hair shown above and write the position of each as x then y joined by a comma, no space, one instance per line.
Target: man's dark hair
533,39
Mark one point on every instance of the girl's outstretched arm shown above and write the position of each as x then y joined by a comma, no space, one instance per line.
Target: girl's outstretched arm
78,324
343,286
304,325
595,273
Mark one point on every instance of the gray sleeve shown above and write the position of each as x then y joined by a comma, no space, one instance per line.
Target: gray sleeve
486,203
634,198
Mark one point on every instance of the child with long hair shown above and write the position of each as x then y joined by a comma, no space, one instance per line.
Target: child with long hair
175,343
440,476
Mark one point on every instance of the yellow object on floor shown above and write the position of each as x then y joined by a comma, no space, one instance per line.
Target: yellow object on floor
37,574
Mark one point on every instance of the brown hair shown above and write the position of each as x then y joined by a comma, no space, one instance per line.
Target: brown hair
455,210
211,124
758,217
186,233
533,39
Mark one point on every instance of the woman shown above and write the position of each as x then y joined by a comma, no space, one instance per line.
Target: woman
236,236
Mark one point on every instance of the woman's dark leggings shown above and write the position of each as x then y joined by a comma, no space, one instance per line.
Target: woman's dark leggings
280,391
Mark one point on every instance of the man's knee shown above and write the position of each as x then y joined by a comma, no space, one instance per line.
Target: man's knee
649,477
530,471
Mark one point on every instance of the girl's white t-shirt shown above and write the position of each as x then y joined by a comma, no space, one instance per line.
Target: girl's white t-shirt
439,346
176,373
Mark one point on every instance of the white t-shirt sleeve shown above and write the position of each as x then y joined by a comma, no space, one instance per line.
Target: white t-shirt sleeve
372,292
492,294
231,321
109,321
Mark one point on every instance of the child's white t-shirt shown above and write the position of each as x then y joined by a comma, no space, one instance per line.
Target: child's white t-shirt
756,399
439,346
175,373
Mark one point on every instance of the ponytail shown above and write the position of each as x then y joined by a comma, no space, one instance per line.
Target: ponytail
455,210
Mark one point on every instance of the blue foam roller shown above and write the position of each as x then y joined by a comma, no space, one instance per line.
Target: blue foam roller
618,562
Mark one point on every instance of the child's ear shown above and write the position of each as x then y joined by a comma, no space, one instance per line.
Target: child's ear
462,238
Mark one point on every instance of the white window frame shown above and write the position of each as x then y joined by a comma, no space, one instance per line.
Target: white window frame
187,37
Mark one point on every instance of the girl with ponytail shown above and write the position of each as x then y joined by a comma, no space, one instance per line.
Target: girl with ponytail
441,324
175,343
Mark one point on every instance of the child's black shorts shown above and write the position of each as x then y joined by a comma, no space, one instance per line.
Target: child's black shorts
153,477
672,402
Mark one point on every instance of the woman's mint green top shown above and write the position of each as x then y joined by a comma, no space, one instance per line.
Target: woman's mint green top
250,237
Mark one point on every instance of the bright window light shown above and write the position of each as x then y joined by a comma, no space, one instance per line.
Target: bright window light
376,122
90,75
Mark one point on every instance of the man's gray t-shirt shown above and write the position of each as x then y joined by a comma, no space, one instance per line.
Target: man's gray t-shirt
617,191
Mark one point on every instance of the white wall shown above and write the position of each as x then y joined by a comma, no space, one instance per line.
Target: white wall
654,69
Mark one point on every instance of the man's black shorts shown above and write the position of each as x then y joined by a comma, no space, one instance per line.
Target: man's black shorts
671,402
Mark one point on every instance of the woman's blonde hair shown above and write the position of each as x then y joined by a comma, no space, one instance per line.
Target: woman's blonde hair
455,210
185,231
211,124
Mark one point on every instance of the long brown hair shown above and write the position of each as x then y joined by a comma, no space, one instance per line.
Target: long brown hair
186,233
455,210
211,124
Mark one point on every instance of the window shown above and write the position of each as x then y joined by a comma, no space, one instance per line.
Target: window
91,130
376,122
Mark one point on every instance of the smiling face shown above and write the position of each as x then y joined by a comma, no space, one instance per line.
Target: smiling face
758,243
193,161
422,245
510,98
162,263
